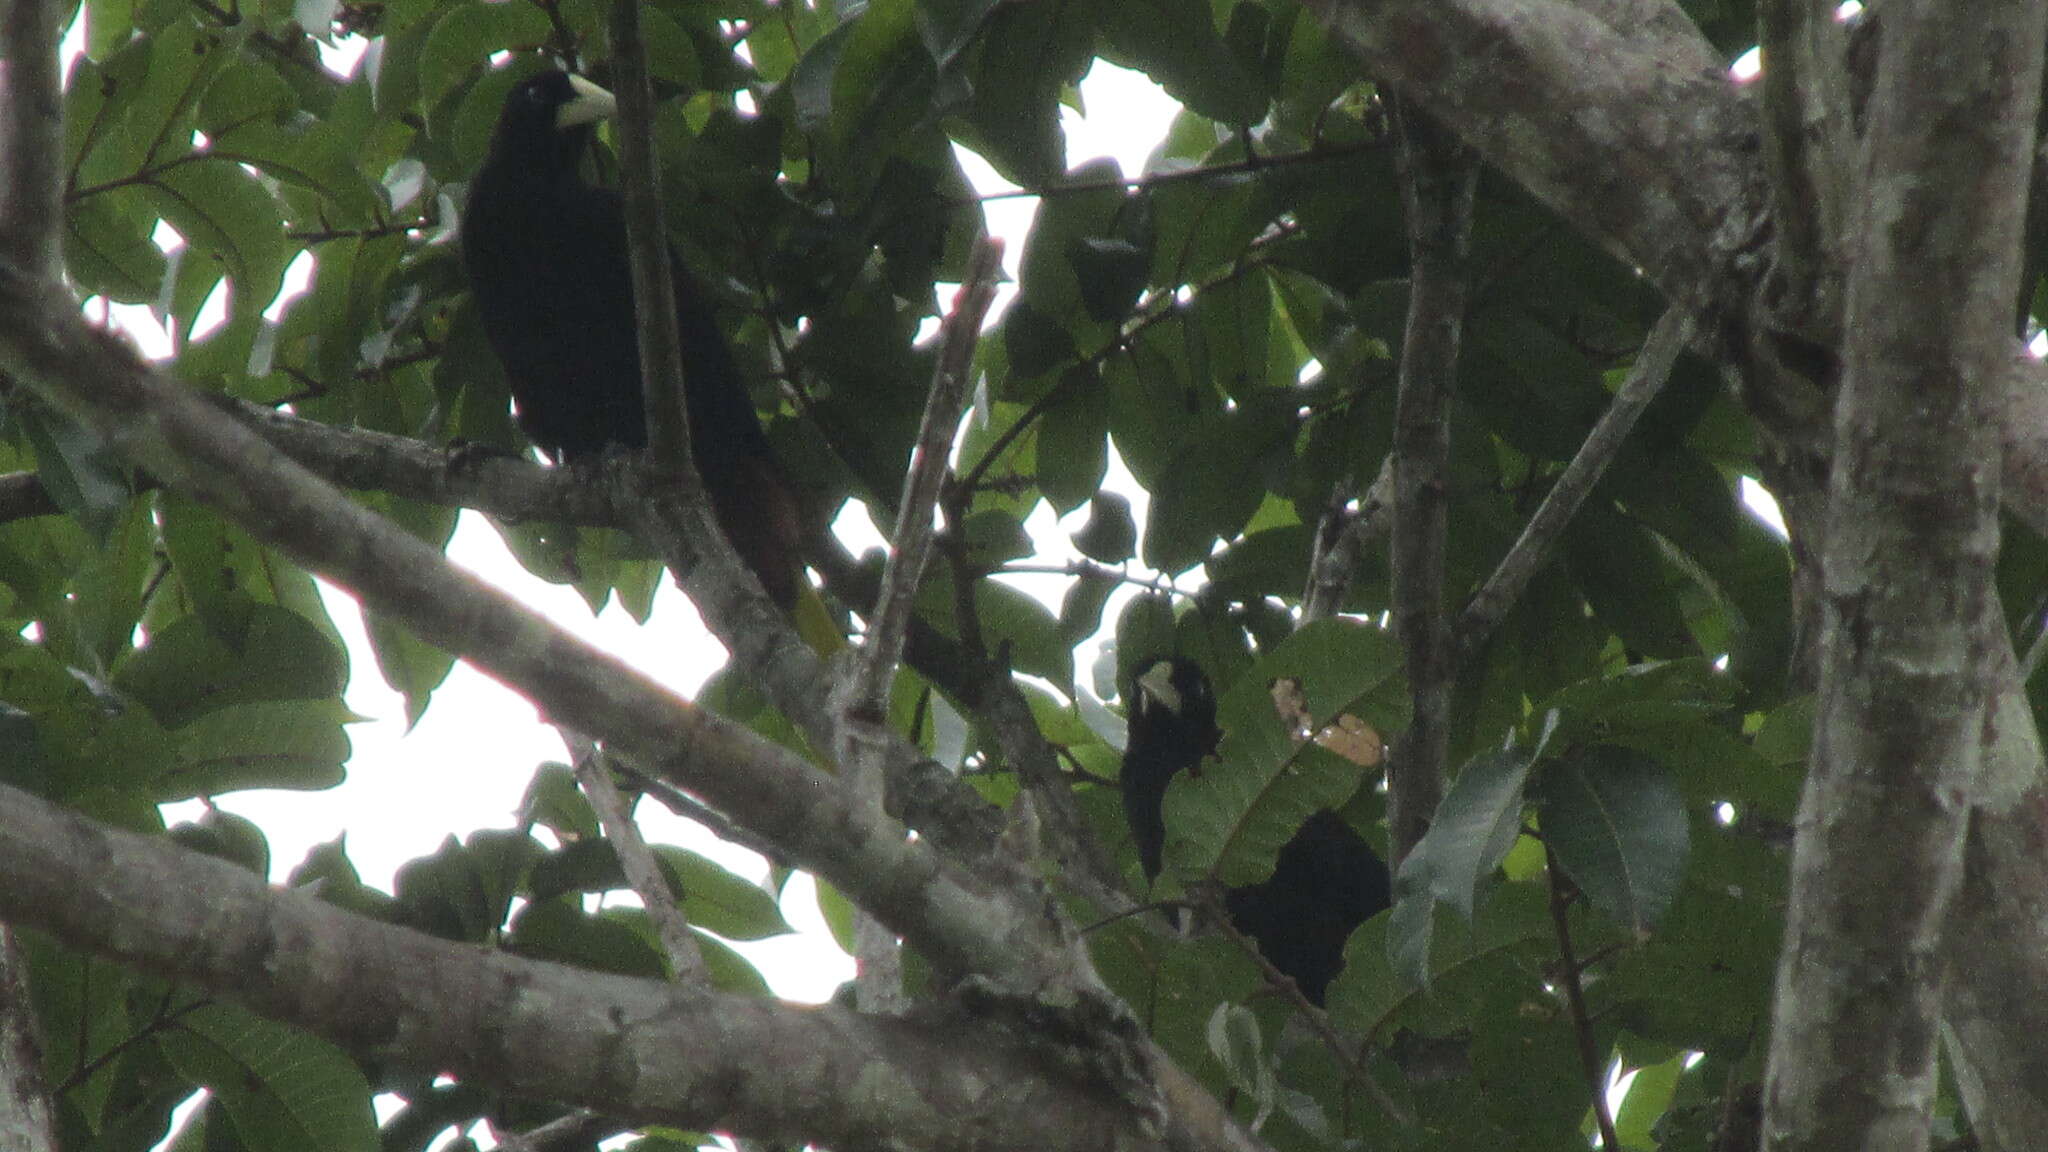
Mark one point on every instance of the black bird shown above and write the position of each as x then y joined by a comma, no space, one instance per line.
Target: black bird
1327,880
546,257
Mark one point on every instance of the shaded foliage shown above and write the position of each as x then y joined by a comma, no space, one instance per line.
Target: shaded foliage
1230,325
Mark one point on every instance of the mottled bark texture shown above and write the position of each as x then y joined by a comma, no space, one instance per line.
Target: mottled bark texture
1910,625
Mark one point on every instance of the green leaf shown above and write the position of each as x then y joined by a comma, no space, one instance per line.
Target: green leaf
90,744
718,901
1212,488
1018,622
107,246
283,1089
1111,535
1475,825
1617,824
291,744
1619,568
1049,278
1236,1043
226,836
1144,632
555,930
1081,608
838,913
1474,828
78,471
1073,446
263,654
1175,43
1230,820
1024,57
554,802
81,1003
1228,332
1649,1097
1112,271
466,36
231,220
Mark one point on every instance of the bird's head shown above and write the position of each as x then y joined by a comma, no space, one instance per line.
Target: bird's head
1174,690
547,118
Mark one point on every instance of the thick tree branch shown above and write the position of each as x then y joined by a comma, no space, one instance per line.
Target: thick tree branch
182,441
632,1049
1438,180
1910,623
1809,152
922,793
962,922
26,1117
1665,175
1994,982
31,135
1490,605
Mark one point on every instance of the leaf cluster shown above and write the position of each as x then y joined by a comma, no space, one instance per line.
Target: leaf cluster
1228,322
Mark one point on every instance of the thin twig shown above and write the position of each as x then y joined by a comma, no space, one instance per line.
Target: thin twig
863,704
395,228
1342,537
1575,1000
883,648
1484,612
1088,569
579,1129
2038,619
690,808
637,861
1153,180
1163,306
654,293
1318,1020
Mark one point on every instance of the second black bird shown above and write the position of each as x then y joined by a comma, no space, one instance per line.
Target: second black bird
546,257
1327,880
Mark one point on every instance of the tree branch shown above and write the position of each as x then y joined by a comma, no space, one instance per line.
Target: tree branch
180,440
27,1119
631,1049
1590,1061
863,710
654,292
1909,612
1665,176
876,666
1438,180
1809,152
1490,605
31,136
636,860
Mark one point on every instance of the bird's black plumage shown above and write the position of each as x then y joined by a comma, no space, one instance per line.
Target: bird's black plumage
1327,880
547,262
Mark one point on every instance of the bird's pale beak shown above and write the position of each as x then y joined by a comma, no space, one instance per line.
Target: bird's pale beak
1157,682
590,105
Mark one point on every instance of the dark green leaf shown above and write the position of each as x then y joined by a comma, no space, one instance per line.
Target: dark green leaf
1617,824
283,1089
1110,535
